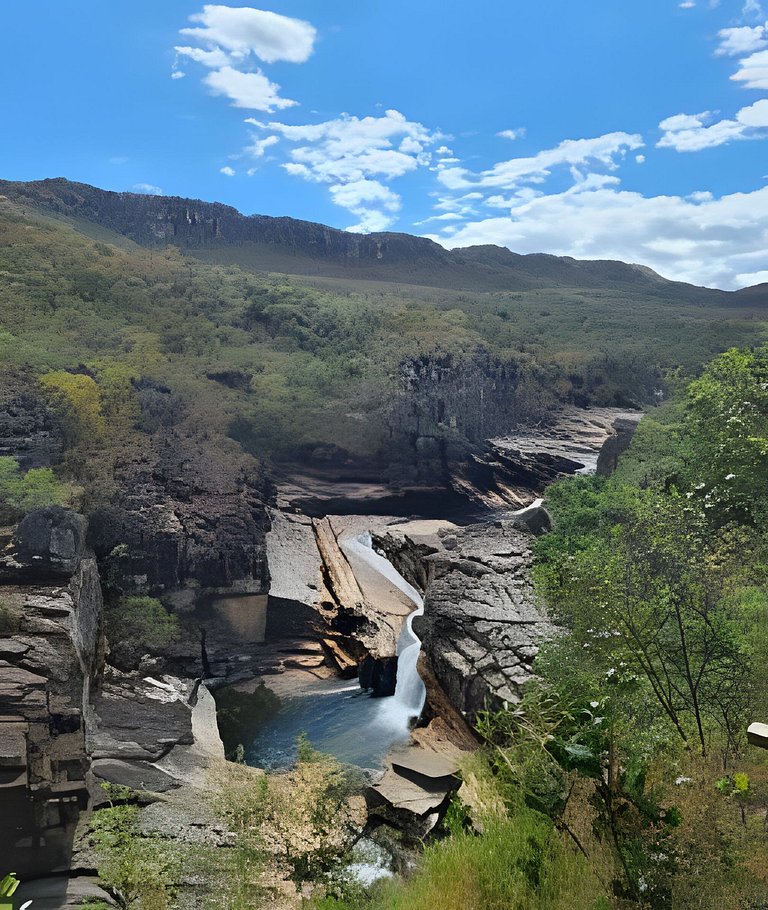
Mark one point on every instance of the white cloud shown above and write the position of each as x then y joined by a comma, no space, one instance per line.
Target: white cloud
603,150
177,74
716,242
640,159
147,189
687,4
215,58
371,221
227,171
352,195
243,31
248,90
752,8
355,155
753,71
258,147
735,42
691,132
446,216
512,134
749,278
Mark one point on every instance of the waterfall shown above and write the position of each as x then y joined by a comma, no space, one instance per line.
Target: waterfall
406,704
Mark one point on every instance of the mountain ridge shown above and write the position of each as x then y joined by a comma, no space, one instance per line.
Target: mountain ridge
220,233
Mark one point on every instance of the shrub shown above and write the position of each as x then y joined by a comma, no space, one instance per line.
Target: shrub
22,492
136,626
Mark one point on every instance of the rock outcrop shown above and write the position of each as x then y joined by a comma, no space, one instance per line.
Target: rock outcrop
29,431
51,654
515,469
481,628
302,247
186,512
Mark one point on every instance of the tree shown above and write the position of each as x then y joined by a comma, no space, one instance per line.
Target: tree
658,594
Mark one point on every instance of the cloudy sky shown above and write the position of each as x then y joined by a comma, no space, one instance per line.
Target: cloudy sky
599,129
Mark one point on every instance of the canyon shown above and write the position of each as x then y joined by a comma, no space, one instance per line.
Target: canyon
265,595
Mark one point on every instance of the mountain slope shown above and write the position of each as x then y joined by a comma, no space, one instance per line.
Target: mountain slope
219,233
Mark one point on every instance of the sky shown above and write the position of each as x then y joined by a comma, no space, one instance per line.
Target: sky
600,129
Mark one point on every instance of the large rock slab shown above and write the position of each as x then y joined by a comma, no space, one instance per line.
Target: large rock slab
481,627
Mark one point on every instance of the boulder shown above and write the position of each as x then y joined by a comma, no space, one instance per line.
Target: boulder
47,542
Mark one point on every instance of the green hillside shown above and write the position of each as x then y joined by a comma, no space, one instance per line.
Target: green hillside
287,364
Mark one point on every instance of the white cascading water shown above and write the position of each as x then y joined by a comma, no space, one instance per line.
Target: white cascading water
399,710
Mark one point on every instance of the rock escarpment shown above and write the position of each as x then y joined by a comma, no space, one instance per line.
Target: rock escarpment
186,512
481,628
514,469
51,655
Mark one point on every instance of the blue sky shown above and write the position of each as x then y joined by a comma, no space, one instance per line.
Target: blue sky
600,129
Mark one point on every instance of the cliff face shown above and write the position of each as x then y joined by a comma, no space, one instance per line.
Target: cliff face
186,512
301,247
52,647
446,406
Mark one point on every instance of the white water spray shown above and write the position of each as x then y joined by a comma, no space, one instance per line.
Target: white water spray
406,704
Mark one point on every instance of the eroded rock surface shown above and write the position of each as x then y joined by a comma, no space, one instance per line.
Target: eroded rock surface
515,469
187,512
481,628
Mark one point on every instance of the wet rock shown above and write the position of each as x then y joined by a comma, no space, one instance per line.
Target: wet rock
378,675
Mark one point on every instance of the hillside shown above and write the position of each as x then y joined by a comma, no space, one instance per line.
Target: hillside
219,233
395,380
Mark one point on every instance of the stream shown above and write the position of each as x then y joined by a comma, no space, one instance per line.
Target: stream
340,718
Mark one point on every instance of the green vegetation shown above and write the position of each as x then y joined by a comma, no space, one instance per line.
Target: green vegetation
136,626
623,781
139,871
658,576
126,340
21,492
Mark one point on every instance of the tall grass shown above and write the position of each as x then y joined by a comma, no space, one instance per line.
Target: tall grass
518,863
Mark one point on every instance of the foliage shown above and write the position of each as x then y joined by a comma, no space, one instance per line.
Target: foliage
22,492
139,339
8,885
656,577
78,398
138,625
312,813
138,871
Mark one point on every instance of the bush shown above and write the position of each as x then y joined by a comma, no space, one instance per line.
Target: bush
137,626
22,492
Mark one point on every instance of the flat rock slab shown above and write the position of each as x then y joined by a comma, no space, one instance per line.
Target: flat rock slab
139,775
757,735
419,797
424,762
